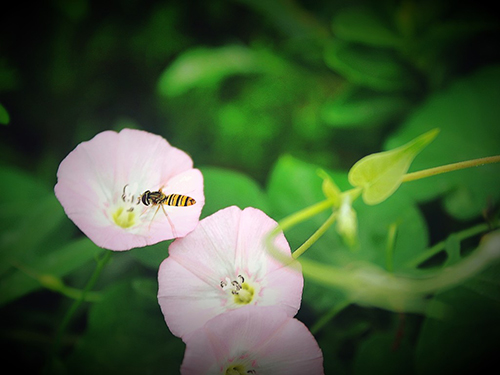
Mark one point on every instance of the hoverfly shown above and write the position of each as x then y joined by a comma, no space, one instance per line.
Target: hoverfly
159,199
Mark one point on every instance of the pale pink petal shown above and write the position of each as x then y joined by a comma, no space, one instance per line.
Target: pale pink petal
148,159
225,245
95,175
261,339
189,279
285,287
180,220
255,226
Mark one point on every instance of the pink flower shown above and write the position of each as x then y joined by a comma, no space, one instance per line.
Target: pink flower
252,340
223,265
100,182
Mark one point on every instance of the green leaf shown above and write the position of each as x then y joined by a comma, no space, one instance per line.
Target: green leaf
207,67
225,188
452,248
152,256
467,114
330,189
381,174
368,67
358,107
441,35
40,221
9,76
126,334
295,185
4,115
362,25
75,10
27,190
31,208
466,341
369,285
290,18
33,236
346,328
377,355
58,262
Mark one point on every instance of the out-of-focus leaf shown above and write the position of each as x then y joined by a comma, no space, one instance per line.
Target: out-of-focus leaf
244,129
381,174
369,285
452,249
9,77
126,334
225,188
357,107
345,329
75,10
160,37
207,67
4,115
362,25
20,281
152,256
330,188
294,185
40,221
29,212
378,355
24,188
30,245
366,66
467,114
466,341
445,33
290,18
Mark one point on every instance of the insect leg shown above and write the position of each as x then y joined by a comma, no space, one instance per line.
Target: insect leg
170,221
151,222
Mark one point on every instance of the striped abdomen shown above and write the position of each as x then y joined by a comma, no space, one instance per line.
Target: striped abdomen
155,198
178,200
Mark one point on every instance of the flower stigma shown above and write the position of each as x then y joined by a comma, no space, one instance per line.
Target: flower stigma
242,291
244,365
124,215
124,218
238,370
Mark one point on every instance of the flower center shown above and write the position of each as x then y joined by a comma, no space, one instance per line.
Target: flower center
238,370
243,292
124,215
243,364
124,218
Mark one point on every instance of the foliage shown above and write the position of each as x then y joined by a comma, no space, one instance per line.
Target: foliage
262,95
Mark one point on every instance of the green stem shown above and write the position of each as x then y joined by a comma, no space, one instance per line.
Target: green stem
369,285
450,167
304,214
55,284
101,262
437,248
329,315
391,239
78,294
292,220
315,236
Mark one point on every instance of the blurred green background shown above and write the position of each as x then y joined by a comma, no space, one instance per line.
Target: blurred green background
261,93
